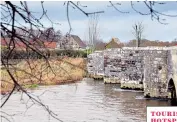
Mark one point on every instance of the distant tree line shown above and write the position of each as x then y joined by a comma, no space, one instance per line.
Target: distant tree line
146,42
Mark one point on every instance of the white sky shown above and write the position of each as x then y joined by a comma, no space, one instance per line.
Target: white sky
111,23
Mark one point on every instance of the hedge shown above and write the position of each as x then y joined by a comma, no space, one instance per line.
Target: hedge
23,54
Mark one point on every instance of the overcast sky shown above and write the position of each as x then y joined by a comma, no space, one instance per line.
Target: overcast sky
111,23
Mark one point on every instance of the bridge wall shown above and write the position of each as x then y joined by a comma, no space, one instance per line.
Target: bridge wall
112,68
172,66
124,65
148,68
95,65
174,62
156,73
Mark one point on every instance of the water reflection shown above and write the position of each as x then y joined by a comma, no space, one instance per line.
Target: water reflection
173,102
86,101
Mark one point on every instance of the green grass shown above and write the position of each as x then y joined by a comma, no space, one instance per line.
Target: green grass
32,86
88,51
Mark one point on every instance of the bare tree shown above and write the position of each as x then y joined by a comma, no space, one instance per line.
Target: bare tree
15,34
138,29
93,30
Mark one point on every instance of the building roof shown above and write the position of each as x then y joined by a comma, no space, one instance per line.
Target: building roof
18,43
79,41
114,43
4,42
51,45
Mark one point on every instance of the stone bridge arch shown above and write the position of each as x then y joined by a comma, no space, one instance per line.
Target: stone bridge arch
172,89
172,73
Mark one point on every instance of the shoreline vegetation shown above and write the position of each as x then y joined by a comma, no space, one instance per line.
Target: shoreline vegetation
32,73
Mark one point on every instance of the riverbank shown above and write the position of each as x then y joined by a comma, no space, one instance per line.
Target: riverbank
32,73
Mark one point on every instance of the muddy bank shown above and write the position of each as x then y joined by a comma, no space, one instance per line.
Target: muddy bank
31,73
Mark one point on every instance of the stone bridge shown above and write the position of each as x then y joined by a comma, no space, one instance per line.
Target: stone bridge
151,69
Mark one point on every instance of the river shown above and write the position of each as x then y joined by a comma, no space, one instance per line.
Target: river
84,101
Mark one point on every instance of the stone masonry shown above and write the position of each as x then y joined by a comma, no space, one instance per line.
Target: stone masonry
126,66
112,66
95,65
145,68
156,73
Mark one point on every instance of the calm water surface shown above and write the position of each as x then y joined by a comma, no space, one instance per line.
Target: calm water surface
85,101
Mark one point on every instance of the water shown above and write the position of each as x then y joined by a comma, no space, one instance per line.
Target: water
85,101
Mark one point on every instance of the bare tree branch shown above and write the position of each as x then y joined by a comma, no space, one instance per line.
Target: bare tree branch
113,5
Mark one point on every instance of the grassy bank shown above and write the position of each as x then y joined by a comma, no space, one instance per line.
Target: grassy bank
32,73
